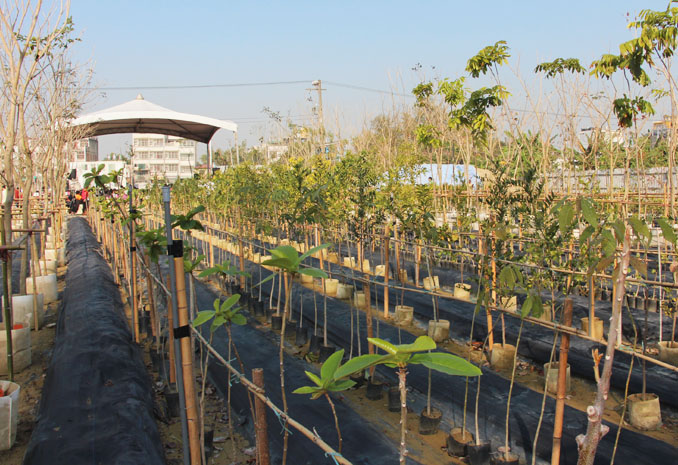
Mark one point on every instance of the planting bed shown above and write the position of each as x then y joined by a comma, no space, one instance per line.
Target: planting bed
447,392
97,404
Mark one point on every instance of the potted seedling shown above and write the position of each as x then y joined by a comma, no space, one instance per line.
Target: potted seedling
327,382
400,357
288,261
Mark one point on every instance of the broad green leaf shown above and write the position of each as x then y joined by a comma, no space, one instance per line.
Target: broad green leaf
357,364
314,378
603,264
565,217
383,345
315,272
239,319
667,230
331,364
420,344
312,251
451,365
589,212
230,302
507,277
209,272
283,263
526,307
640,228
305,390
285,251
586,234
341,385
203,317
619,230
217,322
639,265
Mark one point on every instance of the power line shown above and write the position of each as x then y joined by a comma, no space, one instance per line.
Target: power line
199,86
368,89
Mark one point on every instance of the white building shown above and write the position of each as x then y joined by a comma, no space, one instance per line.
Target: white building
84,150
165,157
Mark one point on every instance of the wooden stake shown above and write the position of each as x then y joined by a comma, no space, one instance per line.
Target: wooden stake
260,423
562,384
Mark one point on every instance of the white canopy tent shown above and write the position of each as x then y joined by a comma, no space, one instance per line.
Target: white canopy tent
142,116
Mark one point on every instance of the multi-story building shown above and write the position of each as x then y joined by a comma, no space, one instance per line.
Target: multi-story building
163,157
84,150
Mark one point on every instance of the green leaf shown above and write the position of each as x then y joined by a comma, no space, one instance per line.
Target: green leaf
588,212
331,364
602,264
265,280
667,230
285,251
586,234
565,217
384,345
341,385
239,319
315,272
281,262
230,302
639,265
619,230
507,277
312,251
526,307
640,228
313,377
305,390
450,364
420,344
203,317
357,364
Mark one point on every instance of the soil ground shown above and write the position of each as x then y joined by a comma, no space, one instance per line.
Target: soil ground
32,378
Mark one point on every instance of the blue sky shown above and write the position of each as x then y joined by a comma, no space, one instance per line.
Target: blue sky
372,44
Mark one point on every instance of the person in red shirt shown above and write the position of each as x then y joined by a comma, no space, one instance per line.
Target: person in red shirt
85,195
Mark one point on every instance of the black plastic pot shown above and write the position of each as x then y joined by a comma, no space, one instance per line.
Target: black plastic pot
325,352
156,360
358,379
276,322
301,336
145,323
208,442
259,308
604,295
428,424
478,454
457,443
172,398
316,342
375,390
393,399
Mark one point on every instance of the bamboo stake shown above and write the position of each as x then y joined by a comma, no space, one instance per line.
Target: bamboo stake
192,416
562,385
260,423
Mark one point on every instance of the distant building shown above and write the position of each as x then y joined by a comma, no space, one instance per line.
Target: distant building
164,157
660,129
84,150
273,152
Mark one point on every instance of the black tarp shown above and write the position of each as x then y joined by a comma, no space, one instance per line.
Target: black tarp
97,401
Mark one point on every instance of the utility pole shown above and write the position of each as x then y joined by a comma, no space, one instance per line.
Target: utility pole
318,86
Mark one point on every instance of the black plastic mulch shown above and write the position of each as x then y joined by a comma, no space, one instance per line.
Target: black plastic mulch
97,403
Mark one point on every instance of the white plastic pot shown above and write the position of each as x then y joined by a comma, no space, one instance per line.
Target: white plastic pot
45,267
379,270
404,314
46,285
344,291
431,283
462,291
331,285
22,309
9,414
439,330
359,299
349,262
21,348
56,254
